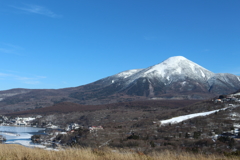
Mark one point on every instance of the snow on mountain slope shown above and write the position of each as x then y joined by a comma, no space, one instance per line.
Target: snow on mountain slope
168,70
227,78
173,69
224,83
128,73
179,65
174,77
117,77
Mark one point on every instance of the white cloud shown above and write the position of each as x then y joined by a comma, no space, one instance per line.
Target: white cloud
32,82
41,77
10,49
38,10
27,80
22,78
13,46
4,75
4,50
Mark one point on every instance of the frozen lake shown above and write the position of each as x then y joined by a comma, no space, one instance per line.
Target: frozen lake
20,135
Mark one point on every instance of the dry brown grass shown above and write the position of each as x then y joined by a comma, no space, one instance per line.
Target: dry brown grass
17,152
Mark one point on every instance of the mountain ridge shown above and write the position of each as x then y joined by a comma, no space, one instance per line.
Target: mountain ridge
174,69
175,78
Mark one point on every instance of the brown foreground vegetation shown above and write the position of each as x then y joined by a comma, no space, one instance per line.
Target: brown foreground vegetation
17,152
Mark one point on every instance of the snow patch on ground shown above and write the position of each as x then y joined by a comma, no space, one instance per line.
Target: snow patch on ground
27,119
236,125
236,94
189,116
234,116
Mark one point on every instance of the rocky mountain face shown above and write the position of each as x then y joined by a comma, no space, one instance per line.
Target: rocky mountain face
174,78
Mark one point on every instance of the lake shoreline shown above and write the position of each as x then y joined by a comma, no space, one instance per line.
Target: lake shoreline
21,135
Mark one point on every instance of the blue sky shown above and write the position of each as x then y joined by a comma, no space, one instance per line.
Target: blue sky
58,44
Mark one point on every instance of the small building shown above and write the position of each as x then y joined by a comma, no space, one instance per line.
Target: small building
218,100
72,126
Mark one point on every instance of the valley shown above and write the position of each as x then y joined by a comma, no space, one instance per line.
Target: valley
145,126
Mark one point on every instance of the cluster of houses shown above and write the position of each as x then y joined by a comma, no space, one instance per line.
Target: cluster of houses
72,126
3,119
23,121
52,126
18,121
51,133
232,134
228,98
48,136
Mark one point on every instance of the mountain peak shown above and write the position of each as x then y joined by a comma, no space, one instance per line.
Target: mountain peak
175,61
178,65
176,58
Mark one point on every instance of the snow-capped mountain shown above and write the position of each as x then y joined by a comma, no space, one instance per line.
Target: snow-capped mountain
173,69
176,77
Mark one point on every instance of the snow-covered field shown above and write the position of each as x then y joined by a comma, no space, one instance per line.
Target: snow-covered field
25,143
19,135
24,139
9,134
22,136
189,116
